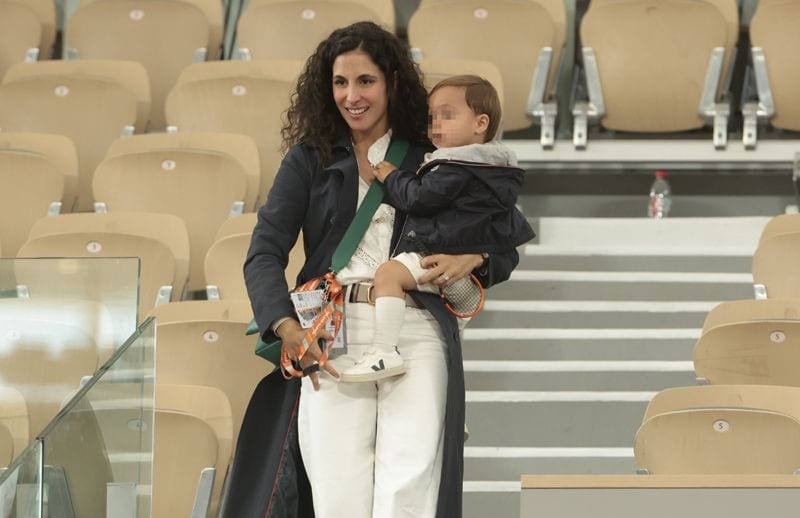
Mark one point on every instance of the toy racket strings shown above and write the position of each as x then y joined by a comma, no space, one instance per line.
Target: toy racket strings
464,298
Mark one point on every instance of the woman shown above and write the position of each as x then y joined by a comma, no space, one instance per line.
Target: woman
387,449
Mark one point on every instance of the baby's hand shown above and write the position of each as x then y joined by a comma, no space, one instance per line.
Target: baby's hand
382,170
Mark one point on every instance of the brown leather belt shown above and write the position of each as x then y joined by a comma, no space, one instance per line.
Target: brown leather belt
362,292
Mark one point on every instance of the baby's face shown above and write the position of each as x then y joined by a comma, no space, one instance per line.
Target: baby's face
451,122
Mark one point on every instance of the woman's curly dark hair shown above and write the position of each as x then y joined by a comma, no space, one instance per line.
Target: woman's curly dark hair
313,117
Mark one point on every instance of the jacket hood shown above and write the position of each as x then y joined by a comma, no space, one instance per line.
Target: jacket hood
493,152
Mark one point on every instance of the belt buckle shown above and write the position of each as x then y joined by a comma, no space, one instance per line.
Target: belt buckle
370,300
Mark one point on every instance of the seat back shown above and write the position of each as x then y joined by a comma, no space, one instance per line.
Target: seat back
719,441
45,11
734,311
158,174
781,224
20,30
775,266
507,33
162,36
13,423
46,347
246,97
73,99
160,241
760,353
652,58
35,171
773,28
774,398
292,30
210,405
203,343
383,9
213,11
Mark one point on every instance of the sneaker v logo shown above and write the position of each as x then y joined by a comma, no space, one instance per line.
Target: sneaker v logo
379,367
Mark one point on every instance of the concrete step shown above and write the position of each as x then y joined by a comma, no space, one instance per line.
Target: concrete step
636,263
688,288
486,463
555,419
577,375
497,504
593,314
589,349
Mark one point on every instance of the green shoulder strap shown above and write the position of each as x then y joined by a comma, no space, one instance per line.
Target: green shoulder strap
347,246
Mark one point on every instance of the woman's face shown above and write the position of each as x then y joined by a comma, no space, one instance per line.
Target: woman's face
360,93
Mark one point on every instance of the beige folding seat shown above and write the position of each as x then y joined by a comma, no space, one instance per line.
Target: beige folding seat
14,429
271,29
435,70
203,343
508,33
719,441
48,345
246,97
737,311
175,484
225,262
781,224
213,11
45,12
160,241
758,352
774,398
241,224
90,102
162,36
36,171
200,178
773,29
20,30
775,266
652,57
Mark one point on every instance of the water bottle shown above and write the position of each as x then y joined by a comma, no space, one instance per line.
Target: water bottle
660,197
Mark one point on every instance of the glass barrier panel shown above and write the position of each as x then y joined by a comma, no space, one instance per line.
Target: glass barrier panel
60,319
101,443
21,482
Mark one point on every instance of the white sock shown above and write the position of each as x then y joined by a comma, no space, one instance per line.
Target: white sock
389,313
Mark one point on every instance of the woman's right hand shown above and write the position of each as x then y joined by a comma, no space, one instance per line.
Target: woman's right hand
291,334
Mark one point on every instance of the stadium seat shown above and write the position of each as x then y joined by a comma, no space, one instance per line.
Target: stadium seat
508,33
203,343
45,11
14,429
20,30
197,177
213,11
175,484
161,241
773,31
774,398
652,58
736,311
271,29
225,261
246,97
719,441
775,272
88,101
36,170
162,36
241,224
760,352
781,224
47,346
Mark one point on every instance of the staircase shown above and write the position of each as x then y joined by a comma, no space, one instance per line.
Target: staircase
599,316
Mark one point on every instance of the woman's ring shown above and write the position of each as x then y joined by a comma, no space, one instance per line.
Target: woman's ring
445,277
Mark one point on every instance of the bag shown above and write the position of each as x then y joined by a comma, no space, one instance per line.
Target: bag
273,351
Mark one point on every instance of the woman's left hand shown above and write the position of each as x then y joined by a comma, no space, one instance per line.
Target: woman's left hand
445,269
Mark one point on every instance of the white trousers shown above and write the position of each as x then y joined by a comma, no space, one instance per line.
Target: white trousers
374,450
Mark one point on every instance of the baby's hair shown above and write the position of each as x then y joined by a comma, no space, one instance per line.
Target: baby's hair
481,98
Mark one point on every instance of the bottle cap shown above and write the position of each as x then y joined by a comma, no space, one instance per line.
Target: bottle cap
661,174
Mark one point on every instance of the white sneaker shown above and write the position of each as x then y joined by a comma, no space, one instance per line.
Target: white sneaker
374,365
